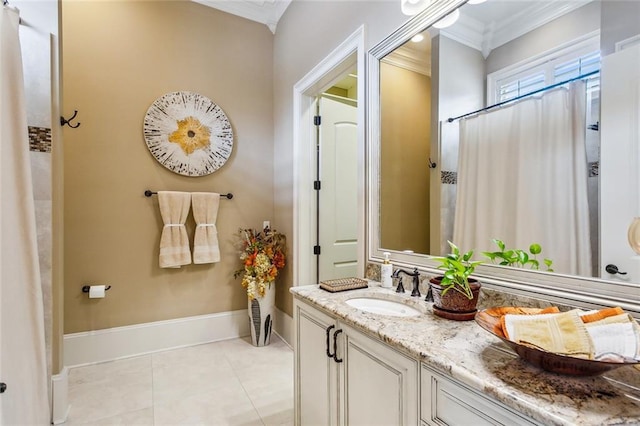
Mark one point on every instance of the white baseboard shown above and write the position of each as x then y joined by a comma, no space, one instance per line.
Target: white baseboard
91,347
284,326
60,397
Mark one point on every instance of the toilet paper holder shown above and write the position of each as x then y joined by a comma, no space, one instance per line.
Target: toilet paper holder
85,289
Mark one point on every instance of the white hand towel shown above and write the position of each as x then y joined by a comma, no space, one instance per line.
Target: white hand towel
614,339
174,242
205,212
617,335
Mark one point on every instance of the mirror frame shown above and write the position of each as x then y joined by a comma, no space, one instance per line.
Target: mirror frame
585,292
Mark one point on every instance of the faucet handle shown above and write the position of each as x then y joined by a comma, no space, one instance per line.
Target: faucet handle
416,283
400,288
429,296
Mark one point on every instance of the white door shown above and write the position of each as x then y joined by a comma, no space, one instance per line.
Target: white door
619,163
338,199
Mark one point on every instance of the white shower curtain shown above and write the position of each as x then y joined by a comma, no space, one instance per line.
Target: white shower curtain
522,178
22,344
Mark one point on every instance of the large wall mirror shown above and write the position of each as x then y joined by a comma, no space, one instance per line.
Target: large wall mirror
517,121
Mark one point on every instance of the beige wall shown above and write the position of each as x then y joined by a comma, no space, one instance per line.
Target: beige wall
306,34
118,58
405,133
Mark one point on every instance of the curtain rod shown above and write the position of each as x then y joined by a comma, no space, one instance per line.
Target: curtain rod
553,86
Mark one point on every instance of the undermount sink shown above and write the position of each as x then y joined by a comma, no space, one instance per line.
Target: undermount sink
383,307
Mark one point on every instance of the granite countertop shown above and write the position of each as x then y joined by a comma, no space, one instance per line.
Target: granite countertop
468,353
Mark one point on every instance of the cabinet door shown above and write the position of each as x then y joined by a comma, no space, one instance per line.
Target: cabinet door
316,399
446,402
380,385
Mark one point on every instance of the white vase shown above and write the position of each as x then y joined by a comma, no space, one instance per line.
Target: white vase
261,317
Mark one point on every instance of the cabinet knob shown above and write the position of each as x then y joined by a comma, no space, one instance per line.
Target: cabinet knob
3,387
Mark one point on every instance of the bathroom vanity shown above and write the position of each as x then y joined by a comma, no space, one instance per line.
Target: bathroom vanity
408,367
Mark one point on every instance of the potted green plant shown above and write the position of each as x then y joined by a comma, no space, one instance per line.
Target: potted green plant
455,293
518,258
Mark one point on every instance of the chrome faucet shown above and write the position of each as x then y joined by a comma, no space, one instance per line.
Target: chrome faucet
416,281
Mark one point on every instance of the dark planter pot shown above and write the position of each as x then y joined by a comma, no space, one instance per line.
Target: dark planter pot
454,305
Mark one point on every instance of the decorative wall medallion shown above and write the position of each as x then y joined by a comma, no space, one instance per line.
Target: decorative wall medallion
188,133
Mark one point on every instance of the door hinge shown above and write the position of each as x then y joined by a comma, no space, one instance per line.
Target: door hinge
316,185
316,249
316,120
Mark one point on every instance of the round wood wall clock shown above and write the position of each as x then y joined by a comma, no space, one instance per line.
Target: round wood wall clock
188,134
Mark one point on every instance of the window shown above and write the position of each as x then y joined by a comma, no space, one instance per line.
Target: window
561,64
521,86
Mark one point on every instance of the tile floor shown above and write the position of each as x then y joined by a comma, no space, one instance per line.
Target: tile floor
222,383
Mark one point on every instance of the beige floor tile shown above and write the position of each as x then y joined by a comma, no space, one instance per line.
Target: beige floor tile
182,380
223,383
247,359
109,389
275,408
142,417
92,402
110,371
228,406
205,355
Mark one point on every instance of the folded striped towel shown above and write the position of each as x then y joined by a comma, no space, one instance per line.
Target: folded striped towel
562,333
517,310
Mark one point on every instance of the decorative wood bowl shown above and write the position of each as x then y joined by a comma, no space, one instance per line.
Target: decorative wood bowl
489,319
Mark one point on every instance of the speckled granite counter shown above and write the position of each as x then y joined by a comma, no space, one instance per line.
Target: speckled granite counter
473,356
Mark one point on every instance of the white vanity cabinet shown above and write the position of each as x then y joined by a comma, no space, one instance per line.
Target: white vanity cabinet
344,377
316,374
446,402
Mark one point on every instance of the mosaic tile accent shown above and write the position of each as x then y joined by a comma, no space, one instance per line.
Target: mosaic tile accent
39,139
449,178
594,168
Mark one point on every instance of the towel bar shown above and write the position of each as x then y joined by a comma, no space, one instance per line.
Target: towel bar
149,193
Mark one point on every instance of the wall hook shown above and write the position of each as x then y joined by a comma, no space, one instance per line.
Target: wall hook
64,121
432,165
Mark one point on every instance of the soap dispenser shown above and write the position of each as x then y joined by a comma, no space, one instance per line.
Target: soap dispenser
386,271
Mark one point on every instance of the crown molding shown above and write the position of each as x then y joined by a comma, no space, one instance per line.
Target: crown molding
266,12
487,36
410,60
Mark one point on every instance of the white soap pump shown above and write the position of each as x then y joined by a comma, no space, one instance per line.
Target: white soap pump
386,271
